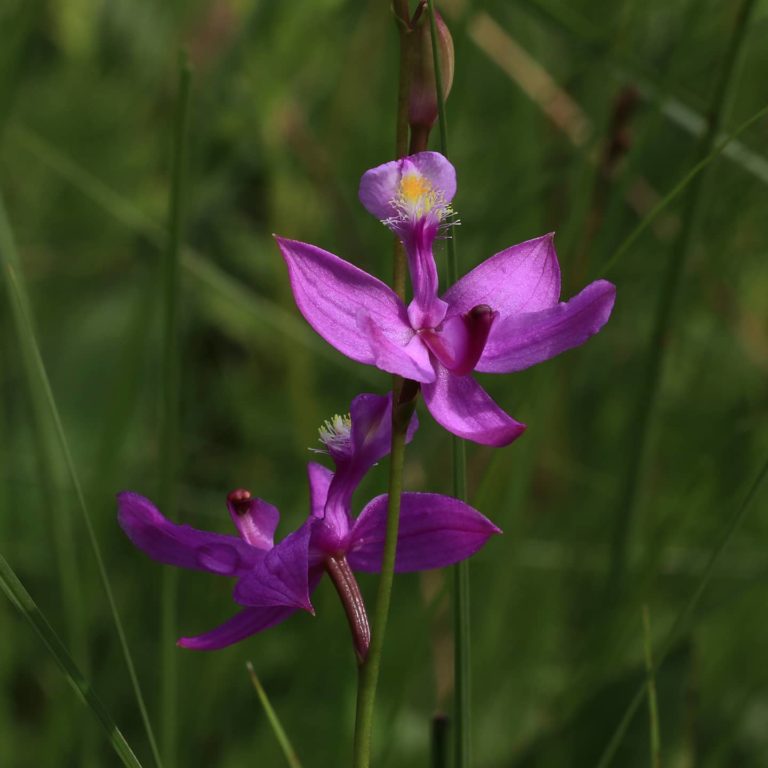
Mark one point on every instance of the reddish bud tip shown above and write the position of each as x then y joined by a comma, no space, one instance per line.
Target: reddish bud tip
240,499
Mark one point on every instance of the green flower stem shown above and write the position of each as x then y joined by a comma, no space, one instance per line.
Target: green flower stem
665,311
461,591
368,669
169,430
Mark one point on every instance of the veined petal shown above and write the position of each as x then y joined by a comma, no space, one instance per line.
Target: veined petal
244,624
463,407
522,278
282,577
255,519
435,531
414,185
182,545
333,295
519,341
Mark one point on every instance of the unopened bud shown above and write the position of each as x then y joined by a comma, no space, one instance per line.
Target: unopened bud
422,105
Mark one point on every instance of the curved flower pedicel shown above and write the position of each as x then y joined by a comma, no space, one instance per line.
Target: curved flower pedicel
275,580
503,316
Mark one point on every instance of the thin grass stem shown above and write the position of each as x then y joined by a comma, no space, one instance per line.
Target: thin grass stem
23,601
169,432
461,587
27,340
653,706
653,369
684,616
274,721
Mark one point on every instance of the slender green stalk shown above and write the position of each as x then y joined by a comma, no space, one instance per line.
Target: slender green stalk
368,670
461,589
169,432
27,338
282,737
684,616
23,601
52,474
653,369
653,706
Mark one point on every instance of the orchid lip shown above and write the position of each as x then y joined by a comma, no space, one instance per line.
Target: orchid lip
458,342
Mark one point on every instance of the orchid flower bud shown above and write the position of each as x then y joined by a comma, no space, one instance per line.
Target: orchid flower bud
422,104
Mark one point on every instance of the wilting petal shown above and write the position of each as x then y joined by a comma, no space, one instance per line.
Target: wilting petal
430,180
255,519
435,531
182,545
244,624
460,340
519,341
463,407
319,480
282,577
523,278
334,295
411,361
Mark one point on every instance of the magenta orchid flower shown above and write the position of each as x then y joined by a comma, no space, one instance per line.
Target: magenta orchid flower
503,316
275,580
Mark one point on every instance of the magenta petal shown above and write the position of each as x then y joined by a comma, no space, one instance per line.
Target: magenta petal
282,577
333,295
380,187
435,531
523,278
182,545
255,519
463,407
319,481
244,624
519,341
411,361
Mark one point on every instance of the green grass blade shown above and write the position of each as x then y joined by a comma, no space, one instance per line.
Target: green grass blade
28,342
170,377
680,187
683,618
274,721
23,601
653,706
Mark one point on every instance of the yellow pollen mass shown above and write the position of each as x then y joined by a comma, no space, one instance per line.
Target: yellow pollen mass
414,188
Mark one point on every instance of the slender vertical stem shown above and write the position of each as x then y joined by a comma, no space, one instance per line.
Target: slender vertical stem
461,588
169,431
654,367
368,670
653,707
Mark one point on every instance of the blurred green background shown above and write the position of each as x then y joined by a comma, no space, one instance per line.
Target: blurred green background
573,116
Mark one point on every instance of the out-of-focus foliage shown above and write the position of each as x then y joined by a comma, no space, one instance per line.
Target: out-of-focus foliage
292,102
